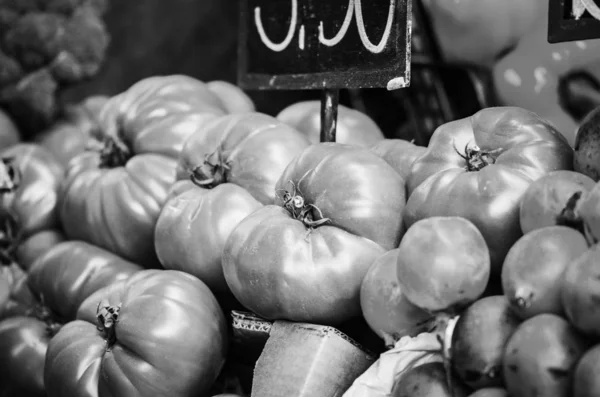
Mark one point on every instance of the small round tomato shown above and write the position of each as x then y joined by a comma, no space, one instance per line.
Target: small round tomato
546,201
385,308
338,208
398,153
353,127
159,333
443,263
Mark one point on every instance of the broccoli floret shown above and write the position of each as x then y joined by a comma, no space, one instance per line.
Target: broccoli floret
46,45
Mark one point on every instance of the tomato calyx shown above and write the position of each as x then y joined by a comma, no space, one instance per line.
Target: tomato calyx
212,172
10,175
475,158
114,152
293,201
107,317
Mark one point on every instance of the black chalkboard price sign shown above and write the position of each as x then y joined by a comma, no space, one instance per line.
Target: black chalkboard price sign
572,20
326,45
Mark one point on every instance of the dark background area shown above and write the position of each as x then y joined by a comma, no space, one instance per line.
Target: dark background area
158,37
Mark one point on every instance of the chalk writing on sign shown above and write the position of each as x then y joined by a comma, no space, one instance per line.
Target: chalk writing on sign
354,6
324,44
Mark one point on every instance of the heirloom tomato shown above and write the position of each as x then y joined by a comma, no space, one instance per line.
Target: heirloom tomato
70,136
353,127
338,208
112,196
250,150
549,200
233,99
193,226
479,168
9,134
60,280
398,153
159,333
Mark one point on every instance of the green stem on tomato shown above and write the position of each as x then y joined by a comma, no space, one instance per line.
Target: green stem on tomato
114,152
108,317
569,217
212,172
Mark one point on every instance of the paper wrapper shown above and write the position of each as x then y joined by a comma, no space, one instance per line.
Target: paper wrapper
407,353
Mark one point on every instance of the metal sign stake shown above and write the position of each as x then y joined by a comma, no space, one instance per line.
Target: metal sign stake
329,111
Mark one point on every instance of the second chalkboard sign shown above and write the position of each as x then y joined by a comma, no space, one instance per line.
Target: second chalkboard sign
318,44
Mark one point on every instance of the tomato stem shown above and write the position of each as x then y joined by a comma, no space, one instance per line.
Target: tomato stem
476,158
114,152
212,172
44,314
108,317
309,214
569,217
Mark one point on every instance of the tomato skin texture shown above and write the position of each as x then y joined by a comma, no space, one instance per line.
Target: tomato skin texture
385,308
69,137
71,271
278,267
534,267
180,356
34,203
233,98
443,263
116,207
33,247
193,227
398,153
254,146
547,197
353,126
526,148
23,346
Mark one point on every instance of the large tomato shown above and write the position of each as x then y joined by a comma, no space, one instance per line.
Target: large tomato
160,333
398,153
9,134
61,280
480,167
353,127
241,157
250,150
70,136
338,208
112,197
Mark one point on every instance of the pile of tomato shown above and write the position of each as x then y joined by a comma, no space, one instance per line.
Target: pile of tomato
131,228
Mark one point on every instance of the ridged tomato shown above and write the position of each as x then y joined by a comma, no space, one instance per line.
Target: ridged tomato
338,208
228,170
160,333
112,196
480,167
